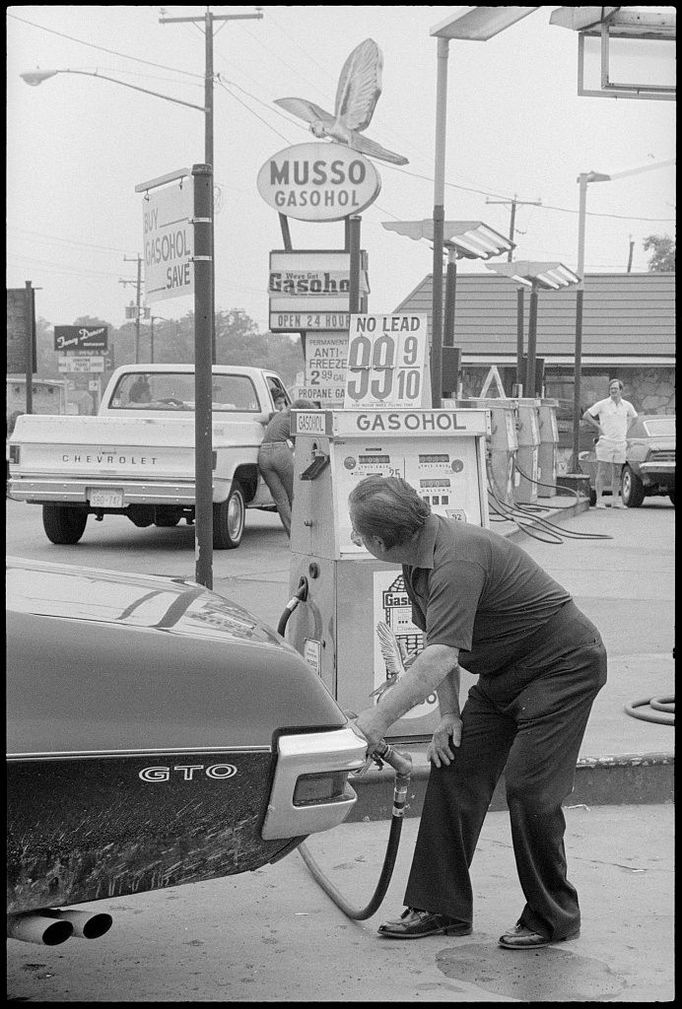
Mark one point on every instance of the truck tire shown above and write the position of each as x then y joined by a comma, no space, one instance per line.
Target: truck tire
229,518
63,524
632,489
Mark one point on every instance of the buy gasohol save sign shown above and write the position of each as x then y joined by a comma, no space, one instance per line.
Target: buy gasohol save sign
168,242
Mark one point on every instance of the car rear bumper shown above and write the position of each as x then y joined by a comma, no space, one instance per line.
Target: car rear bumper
662,473
311,753
78,492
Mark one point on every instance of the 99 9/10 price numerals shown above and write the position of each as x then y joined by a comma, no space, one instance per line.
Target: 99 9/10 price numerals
366,356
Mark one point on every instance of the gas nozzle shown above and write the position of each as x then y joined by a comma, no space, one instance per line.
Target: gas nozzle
400,762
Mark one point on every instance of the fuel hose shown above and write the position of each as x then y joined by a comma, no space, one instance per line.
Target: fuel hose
402,764
382,752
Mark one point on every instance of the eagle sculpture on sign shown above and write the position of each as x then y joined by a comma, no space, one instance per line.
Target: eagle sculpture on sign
357,93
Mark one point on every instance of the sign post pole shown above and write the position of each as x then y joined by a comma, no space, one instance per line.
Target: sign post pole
30,346
202,176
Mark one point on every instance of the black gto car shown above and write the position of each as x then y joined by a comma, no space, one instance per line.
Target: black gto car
157,734
649,468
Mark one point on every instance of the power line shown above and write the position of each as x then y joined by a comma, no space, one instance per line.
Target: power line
112,52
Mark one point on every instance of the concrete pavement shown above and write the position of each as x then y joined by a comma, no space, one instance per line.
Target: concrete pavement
275,936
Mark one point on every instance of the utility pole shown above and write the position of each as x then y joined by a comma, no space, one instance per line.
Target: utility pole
208,19
138,284
516,202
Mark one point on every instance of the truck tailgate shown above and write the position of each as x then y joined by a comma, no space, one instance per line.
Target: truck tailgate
122,448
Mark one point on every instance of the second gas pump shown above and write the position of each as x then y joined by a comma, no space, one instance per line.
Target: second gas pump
356,618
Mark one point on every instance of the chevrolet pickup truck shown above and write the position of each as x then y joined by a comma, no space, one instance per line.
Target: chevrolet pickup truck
135,457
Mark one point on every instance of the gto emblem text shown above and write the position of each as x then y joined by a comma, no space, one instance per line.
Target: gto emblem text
187,771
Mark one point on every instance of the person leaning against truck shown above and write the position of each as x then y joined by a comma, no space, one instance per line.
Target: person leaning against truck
611,418
276,460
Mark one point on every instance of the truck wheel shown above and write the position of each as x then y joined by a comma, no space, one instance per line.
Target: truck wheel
632,489
229,518
63,524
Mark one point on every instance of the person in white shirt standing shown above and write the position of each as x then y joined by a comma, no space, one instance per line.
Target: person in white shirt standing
611,418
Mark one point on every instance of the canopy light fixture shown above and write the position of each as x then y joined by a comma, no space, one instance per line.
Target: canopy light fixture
478,24
467,239
551,276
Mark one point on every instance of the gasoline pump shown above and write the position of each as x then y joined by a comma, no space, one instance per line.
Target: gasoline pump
355,627
349,614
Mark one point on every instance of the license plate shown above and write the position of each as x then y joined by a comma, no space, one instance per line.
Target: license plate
106,498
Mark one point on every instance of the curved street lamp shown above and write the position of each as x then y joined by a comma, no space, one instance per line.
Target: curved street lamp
36,77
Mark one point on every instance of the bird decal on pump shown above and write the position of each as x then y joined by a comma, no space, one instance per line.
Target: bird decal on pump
357,93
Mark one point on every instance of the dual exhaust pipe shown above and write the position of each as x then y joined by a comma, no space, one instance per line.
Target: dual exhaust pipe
50,926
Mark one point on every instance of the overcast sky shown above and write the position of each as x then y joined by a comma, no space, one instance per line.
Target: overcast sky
516,127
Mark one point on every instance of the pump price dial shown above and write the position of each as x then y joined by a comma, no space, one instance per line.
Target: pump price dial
386,362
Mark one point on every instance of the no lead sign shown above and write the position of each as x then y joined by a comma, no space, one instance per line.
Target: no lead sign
387,365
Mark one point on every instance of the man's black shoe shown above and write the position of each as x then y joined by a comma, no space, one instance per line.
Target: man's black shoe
414,924
521,937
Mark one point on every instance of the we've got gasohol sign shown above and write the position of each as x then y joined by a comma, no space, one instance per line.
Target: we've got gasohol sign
387,362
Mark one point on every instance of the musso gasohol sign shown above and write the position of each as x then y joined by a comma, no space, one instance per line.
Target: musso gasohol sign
318,182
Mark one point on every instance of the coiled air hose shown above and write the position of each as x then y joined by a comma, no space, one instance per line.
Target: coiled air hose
402,764
664,705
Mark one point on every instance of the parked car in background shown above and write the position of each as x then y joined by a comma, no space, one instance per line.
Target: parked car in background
158,734
649,468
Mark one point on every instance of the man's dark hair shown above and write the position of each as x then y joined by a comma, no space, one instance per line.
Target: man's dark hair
388,507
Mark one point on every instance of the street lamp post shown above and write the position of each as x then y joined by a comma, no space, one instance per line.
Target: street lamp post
477,24
583,181
204,322
36,77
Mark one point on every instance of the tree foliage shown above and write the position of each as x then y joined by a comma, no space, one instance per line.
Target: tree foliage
238,341
662,248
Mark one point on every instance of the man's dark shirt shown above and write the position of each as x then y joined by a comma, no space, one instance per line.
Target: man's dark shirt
478,592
